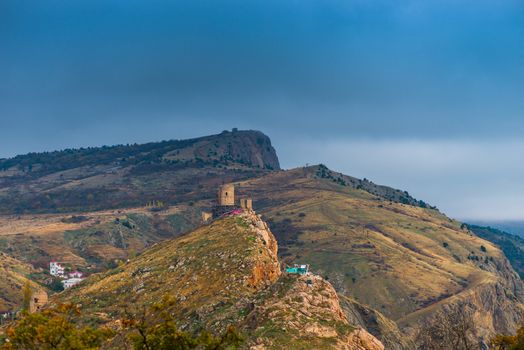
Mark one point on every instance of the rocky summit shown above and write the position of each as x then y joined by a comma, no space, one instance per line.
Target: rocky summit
226,273
385,265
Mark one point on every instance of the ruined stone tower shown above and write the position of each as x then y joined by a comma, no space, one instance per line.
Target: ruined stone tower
226,203
246,203
38,300
226,195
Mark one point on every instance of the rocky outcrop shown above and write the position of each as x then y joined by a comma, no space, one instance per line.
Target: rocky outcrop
496,304
376,323
222,274
248,147
264,269
304,312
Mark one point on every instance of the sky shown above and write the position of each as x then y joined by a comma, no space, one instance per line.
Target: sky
422,95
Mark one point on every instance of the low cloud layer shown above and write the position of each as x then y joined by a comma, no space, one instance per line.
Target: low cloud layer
465,179
350,82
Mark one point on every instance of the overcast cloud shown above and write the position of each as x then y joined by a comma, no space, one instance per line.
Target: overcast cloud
424,95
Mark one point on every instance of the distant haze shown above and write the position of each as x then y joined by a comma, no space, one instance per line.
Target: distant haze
513,227
425,96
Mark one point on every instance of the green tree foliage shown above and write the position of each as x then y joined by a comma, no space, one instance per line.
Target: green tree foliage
27,293
151,328
155,328
509,342
53,329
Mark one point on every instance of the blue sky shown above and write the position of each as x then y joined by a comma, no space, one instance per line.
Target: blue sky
423,95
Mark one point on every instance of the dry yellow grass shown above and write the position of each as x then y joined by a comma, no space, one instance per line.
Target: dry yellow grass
401,260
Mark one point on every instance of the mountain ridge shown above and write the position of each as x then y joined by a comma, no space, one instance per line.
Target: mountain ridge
236,260
392,259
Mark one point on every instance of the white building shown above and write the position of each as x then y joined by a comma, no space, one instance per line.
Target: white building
76,274
55,269
71,282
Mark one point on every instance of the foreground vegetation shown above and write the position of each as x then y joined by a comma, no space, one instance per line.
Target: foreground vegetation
509,342
149,328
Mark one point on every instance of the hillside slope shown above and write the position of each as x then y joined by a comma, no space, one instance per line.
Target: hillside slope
131,175
225,274
91,241
511,245
13,276
402,260
393,260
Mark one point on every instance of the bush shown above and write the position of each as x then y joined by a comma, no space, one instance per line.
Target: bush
509,342
52,329
152,328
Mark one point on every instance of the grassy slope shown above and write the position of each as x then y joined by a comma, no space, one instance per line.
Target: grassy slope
13,276
387,255
130,176
95,241
206,270
223,274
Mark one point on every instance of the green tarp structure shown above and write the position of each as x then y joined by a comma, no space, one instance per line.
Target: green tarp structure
298,269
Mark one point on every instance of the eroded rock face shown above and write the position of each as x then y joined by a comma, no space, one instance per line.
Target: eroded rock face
377,324
496,302
265,267
305,312
228,273
360,339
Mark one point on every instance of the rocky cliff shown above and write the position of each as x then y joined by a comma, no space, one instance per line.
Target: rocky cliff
132,175
405,261
227,273
377,324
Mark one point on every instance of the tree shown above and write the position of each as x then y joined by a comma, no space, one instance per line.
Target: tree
53,329
155,328
27,293
509,342
451,327
152,328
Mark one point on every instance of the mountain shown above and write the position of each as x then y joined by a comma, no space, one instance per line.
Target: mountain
393,260
226,273
511,245
403,260
92,241
130,175
513,227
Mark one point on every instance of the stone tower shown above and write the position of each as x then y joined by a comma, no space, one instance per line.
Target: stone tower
246,203
38,300
226,195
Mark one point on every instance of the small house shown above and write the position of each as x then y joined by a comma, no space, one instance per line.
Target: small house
56,269
76,274
298,269
71,282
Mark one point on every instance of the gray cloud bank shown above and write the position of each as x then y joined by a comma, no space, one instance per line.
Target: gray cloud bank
358,79
465,179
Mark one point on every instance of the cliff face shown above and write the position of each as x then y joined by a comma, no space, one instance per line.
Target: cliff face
252,148
377,324
405,261
132,175
303,312
227,273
